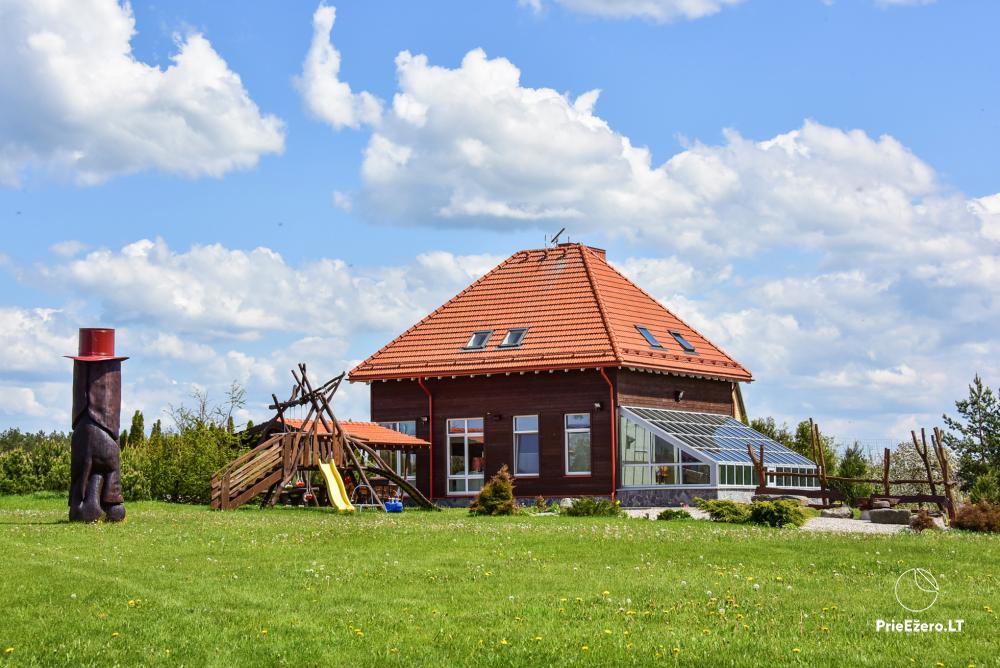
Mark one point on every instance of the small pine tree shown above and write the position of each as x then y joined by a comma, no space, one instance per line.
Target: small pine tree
157,431
123,439
853,465
496,496
137,434
978,427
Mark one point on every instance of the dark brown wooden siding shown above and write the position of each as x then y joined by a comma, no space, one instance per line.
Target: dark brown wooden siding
651,390
497,399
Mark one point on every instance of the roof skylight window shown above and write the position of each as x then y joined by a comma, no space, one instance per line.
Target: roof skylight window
478,340
684,343
650,339
514,337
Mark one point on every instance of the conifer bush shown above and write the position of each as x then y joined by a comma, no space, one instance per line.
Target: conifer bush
587,506
496,497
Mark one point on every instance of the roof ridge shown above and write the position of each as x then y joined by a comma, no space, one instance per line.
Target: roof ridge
680,319
435,311
615,351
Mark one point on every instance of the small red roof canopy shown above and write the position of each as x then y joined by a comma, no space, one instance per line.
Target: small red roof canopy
368,432
580,312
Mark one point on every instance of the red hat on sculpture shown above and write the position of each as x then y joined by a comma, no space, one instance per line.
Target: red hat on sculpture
96,345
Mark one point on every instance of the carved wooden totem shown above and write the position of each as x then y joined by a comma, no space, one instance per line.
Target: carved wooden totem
95,487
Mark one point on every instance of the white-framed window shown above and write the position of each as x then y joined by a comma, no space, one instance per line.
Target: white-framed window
784,476
740,475
648,460
526,445
466,455
403,462
577,429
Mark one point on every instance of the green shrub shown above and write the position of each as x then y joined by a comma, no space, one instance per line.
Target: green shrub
986,488
588,506
135,484
671,514
496,497
982,516
778,513
722,510
17,473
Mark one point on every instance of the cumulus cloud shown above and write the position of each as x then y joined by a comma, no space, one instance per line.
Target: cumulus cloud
34,340
223,292
472,146
660,11
327,97
202,318
666,11
78,102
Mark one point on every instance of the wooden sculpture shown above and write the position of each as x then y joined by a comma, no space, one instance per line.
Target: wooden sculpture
95,475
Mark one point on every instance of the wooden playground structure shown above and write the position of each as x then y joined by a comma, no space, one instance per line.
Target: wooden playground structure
284,448
827,496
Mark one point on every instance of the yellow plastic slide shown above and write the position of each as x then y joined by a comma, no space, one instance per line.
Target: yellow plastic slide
335,488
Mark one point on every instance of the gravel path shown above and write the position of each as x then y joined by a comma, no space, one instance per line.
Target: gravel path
825,524
839,525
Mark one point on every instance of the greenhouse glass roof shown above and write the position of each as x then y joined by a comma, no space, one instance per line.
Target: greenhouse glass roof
716,437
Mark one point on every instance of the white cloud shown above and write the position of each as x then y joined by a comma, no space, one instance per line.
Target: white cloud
666,11
68,248
19,401
216,291
202,318
34,340
78,102
326,96
661,11
472,146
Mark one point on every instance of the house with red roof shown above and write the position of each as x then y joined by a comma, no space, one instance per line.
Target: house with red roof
559,367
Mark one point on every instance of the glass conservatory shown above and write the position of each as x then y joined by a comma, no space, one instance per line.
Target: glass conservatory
667,448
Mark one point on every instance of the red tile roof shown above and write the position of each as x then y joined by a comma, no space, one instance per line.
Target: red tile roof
369,432
580,311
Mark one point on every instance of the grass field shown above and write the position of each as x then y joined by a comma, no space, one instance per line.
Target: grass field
181,585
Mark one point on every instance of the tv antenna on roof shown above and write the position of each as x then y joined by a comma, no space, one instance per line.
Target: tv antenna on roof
555,238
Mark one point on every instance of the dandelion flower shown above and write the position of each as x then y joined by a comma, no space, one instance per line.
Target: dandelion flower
115,634
9,650
677,650
584,649
537,638
796,650
504,642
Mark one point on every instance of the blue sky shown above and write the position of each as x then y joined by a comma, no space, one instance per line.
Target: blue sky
817,195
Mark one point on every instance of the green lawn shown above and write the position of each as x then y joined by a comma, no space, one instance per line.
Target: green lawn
181,585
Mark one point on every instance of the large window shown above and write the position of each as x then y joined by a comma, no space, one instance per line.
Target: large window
404,463
784,476
466,454
577,443
526,445
742,475
647,460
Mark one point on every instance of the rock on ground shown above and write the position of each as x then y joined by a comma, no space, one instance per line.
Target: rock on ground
841,511
890,516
